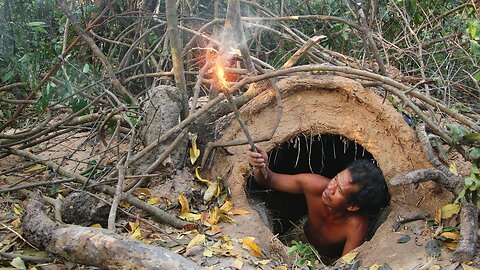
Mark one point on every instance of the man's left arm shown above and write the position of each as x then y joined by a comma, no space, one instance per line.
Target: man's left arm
356,234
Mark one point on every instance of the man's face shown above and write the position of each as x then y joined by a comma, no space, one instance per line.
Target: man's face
337,193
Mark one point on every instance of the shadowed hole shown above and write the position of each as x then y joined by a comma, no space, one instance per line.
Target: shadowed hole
325,154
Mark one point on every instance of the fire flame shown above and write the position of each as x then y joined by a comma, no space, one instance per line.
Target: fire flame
222,81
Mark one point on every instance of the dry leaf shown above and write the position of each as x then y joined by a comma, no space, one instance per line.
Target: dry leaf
194,151
203,180
124,204
17,209
142,193
449,210
196,241
208,253
211,191
153,201
281,267
450,245
249,244
136,232
465,266
263,262
213,230
453,168
237,264
226,207
214,216
450,235
349,257
190,217
16,223
239,212
96,225
34,168
184,203
434,267
375,266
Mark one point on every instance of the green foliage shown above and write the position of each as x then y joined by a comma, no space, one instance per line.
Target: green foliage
307,255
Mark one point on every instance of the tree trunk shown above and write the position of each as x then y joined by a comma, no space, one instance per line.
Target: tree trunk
96,247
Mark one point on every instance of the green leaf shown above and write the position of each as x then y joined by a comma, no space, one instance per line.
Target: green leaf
7,76
473,27
477,76
18,263
475,153
474,47
472,137
77,104
36,24
458,132
128,100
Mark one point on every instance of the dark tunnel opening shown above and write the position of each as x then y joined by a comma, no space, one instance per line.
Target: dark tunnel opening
324,154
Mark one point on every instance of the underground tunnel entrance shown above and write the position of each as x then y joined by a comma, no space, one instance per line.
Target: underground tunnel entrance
324,154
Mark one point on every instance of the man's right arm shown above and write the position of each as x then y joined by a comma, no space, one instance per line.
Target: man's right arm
298,183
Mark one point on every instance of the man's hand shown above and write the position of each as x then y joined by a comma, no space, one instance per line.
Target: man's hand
258,160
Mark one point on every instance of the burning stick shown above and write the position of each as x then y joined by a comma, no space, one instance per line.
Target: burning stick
223,85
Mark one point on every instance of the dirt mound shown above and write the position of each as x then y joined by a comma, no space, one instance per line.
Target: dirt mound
318,105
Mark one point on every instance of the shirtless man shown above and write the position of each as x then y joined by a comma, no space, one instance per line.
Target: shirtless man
338,208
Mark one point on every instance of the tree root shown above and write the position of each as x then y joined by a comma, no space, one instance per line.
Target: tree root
96,247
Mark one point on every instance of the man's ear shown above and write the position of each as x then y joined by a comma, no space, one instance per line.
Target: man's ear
352,208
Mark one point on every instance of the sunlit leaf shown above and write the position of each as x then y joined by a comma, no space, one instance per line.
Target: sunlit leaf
96,225
374,266
136,232
184,204
237,264
450,235
203,180
86,68
208,253
17,209
226,207
214,216
190,216
262,262
194,151
153,200
18,263
453,168
211,191
199,239
249,244
349,257
450,210
450,245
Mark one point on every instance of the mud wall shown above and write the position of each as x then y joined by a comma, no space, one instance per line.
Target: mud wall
318,105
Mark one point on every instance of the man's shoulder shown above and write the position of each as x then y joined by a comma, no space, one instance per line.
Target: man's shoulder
358,222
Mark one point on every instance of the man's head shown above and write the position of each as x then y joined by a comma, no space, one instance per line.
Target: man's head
373,192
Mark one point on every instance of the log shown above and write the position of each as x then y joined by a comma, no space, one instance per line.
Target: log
95,247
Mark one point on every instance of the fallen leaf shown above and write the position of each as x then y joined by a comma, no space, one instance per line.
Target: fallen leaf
136,232
237,264
434,267
449,210
153,200
194,151
226,207
16,223
465,266
263,262
17,209
450,245
208,253
124,204
203,180
453,168
349,257
36,167
249,244
213,230
96,225
451,235
239,212
211,191
403,239
184,203
190,216
281,267
18,263
142,193
199,239
214,216
374,266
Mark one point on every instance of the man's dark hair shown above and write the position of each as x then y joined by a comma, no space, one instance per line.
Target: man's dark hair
373,194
